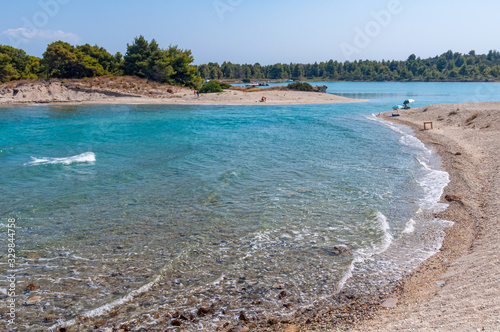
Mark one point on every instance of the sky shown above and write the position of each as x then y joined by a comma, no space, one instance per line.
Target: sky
267,32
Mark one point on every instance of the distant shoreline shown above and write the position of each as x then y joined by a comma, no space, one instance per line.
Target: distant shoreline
233,81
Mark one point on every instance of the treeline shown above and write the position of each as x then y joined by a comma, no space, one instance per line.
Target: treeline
174,66
62,60
448,66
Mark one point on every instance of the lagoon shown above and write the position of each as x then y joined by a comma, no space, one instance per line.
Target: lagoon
189,206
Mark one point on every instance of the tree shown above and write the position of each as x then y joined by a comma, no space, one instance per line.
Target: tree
257,71
110,63
57,58
204,71
16,64
159,67
276,71
227,70
63,60
7,70
135,60
298,71
183,72
148,60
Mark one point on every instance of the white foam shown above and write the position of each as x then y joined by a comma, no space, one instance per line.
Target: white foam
86,157
433,183
384,226
108,307
363,254
410,226
432,180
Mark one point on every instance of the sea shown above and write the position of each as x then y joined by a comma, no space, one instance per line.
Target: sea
168,208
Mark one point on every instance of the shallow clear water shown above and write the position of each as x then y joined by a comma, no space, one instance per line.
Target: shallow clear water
192,204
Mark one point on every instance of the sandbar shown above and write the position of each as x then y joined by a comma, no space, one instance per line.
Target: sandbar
135,91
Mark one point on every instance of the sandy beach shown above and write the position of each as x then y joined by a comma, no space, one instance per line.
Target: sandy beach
126,90
457,288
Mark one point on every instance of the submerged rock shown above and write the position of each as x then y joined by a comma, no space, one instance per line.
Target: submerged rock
337,250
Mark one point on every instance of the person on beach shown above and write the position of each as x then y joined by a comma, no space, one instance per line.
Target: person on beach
263,99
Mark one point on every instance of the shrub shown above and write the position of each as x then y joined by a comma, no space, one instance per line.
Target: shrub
472,118
210,87
301,86
214,86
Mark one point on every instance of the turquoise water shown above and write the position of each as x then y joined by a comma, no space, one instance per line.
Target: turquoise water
191,205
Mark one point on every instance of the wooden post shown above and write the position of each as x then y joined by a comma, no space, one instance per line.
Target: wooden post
427,123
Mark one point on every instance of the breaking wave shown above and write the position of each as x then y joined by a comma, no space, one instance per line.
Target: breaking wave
86,157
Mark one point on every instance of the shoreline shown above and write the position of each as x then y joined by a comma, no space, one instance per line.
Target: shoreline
452,290
137,91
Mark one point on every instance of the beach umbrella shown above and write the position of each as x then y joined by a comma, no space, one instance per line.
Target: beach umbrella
397,107
407,101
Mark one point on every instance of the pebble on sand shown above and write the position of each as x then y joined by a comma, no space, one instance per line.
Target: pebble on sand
292,328
33,300
389,303
451,198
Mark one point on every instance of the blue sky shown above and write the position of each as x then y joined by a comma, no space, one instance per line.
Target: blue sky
268,32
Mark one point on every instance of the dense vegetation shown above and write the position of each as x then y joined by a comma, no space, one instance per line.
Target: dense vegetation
148,60
15,64
301,86
214,86
448,66
209,87
61,60
174,66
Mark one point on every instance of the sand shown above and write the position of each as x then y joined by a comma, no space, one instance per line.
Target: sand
113,92
457,289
